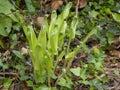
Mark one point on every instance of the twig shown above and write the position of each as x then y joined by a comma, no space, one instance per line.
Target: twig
49,80
77,8
9,73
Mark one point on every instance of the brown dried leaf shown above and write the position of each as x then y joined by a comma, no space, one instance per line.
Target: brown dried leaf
24,51
82,3
56,4
115,53
40,1
39,21
24,85
6,53
4,89
1,81
116,40
66,1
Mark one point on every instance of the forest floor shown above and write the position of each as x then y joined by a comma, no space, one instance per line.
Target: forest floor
111,67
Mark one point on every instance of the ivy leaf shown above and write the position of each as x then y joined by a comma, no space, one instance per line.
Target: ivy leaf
62,82
75,71
7,82
110,37
30,83
117,8
5,26
93,14
30,7
18,54
65,82
116,17
6,7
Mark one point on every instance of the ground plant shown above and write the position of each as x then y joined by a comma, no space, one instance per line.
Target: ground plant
73,46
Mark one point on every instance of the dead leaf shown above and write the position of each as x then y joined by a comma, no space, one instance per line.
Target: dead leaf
56,4
6,53
39,21
4,89
82,3
24,51
116,40
24,85
115,53
1,81
66,1
40,1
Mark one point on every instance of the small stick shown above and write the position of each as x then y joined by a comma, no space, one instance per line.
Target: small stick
77,8
9,73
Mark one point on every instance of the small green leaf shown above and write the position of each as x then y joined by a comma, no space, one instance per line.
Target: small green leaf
117,72
30,83
103,42
96,51
6,7
83,74
116,17
75,71
70,56
65,82
5,25
7,82
62,82
4,66
93,13
84,82
110,37
104,79
18,54
30,7
44,87
108,11
117,7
